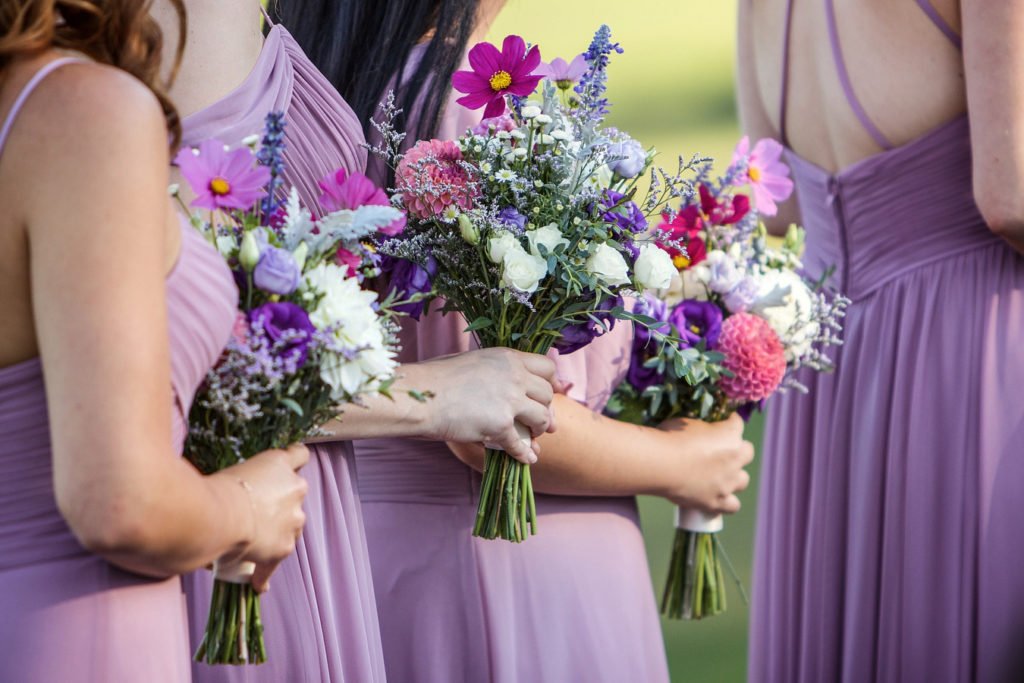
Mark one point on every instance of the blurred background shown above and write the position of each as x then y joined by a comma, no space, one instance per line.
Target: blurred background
673,89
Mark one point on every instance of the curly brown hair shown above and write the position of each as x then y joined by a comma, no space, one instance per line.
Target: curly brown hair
120,33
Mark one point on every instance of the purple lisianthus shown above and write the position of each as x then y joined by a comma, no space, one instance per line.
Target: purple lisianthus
512,218
622,213
575,337
406,279
287,324
277,272
746,411
644,348
696,321
630,159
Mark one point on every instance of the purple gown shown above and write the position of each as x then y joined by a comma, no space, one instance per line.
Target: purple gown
573,603
319,616
889,544
68,615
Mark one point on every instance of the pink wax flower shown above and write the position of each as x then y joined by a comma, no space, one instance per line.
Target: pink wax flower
431,179
497,124
240,330
496,74
345,191
564,74
767,176
221,178
755,356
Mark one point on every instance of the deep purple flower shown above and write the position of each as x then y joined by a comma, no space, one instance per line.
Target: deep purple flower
621,212
575,337
696,321
288,323
277,272
644,346
512,218
746,411
495,74
406,279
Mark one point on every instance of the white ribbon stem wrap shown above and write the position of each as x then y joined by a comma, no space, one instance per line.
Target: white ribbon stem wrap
525,437
699,522
234,572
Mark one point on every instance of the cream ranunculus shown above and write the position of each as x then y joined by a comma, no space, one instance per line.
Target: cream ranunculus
653,267
498,246
549,235
522,270
607,264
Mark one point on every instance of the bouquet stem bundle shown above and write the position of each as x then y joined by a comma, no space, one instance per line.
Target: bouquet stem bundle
695,587
507,508
234,629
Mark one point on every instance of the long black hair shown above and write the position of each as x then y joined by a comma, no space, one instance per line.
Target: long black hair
363,48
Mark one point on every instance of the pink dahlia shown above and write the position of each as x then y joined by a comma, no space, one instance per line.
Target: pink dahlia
344,191
431,178
767,176
754,354
496,74
222,178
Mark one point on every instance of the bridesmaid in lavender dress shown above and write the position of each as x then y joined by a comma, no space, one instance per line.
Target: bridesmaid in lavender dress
574,602
320,620
888,546
99,358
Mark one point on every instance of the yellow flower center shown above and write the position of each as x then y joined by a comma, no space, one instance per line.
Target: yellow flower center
755,173
564,85
219,186
694,329
500,80
680,262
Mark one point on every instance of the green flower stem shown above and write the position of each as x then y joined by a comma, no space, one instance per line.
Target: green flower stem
695,587
234,628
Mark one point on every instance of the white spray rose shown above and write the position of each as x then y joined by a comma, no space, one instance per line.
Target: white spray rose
654,268
549,235
522,271
498,246
786,303
608,265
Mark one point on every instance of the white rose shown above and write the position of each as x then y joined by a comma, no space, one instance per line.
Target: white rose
654,268
608,265
522,271
549,236
786,303
498,246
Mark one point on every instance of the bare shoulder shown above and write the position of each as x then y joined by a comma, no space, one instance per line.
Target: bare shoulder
83,107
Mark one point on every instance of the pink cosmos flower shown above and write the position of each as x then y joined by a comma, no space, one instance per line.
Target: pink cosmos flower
344,191
767,175
496,74
431,179
221,178
496,125
564,74
755,356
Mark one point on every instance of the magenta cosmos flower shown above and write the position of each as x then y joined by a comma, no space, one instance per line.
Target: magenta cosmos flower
222,178
496,74
564,74
767,175
345,191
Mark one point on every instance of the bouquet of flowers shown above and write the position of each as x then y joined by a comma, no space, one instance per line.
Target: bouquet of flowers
529,225
743,320
308,339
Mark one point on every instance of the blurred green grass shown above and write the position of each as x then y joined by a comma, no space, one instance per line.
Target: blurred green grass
673,89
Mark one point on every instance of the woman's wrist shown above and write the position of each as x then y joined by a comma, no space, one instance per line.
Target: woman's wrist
235,496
